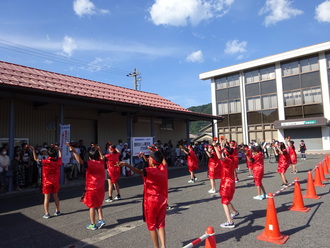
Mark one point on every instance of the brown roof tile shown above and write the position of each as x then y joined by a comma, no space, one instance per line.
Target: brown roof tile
22,76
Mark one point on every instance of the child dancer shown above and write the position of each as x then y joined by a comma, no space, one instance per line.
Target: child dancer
283,161
233,145
50,177
227,185
293,156
249,163
258,172
192,163
155,195
94,191
112,159
214,167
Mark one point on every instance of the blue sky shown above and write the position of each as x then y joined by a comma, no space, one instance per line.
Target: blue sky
170,42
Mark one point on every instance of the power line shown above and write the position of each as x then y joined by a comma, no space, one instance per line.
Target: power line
58,58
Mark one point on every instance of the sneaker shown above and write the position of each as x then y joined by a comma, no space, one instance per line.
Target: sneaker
237,181
109,199
100,224
191,181
227,225
211,191
58,213
265,196
250,175
118,197
91,227
46,216
195,179
258,197
233,215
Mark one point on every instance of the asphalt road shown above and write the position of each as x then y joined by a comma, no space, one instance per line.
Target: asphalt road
22,225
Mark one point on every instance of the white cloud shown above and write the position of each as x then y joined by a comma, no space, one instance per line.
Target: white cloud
278,10
86,7
235,46
68,46
180,13
322,12
195,57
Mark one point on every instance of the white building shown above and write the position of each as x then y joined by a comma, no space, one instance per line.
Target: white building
282,95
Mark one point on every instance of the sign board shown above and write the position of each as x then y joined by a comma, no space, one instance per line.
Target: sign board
140,144
65,137
298,123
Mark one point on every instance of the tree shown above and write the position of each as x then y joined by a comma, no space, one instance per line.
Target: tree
195,126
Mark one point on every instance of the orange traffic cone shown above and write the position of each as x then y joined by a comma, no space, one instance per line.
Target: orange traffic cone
322,173
325,168
311,193
327,159
271,232
298,202
317,178
210,241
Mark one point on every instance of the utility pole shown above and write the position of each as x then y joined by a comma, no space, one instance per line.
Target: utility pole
136,79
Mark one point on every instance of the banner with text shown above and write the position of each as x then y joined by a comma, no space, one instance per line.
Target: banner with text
140,144
65,137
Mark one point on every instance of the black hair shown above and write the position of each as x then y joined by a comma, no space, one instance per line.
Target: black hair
52,152
229,150
94,153
157,156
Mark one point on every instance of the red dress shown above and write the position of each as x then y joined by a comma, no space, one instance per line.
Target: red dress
214,166
293,154
51,175
258,168
227,183
113,171
248,154
283,162
235,158
95,176
192,161
155,196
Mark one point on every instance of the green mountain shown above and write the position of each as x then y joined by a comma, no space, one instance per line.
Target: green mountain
195,126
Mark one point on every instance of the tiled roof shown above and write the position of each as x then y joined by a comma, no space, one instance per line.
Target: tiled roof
36,79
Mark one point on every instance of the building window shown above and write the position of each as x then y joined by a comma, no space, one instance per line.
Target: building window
251,76
310,64
269,102
222,108
292,98
233,80
290,68
253,104
235,106
167,124
267,73
312,95
221,83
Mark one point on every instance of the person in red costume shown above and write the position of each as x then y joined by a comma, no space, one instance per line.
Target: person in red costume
283,161
50,177
192,161
94,189
155,195
227,184
293,156
112,159
233,145
258,172
249,163
214,167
